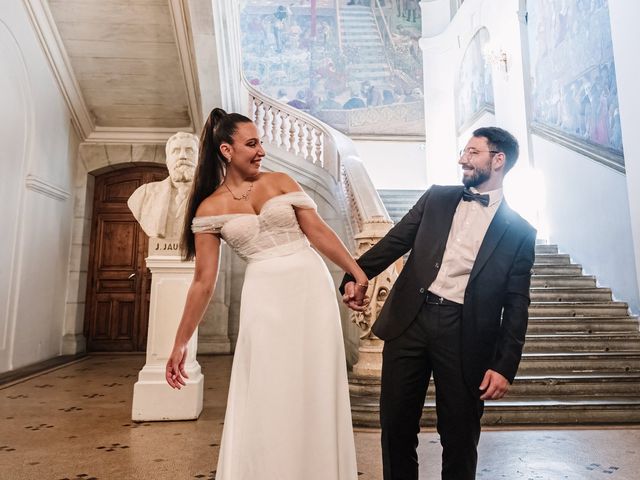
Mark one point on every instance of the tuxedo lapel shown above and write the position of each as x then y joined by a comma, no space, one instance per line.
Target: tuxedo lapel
496,230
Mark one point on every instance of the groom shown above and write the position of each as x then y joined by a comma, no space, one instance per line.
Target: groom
459,308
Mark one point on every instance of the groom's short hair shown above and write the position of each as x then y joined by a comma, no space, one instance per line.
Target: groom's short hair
501,141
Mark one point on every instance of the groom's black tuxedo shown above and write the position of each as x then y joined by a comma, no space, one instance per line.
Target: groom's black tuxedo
490,328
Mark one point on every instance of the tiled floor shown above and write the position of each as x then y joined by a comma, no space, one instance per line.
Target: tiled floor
75,423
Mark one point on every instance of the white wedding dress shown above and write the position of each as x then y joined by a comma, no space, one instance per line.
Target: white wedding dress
288,412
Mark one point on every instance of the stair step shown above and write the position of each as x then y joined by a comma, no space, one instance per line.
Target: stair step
586,385
563,294
546,248
527,387
577,309
543,269
367,57
365,45
352,13
580,362
552,259
610,410
582,342
540,325
560,281
348,24
400,202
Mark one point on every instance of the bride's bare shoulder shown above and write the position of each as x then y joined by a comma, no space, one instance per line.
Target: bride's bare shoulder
214,204
280,182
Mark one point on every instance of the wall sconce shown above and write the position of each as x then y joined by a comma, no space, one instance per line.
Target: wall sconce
496,58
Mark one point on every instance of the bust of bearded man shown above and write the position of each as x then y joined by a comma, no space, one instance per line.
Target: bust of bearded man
159,207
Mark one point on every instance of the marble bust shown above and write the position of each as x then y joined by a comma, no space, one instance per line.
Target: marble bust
159,206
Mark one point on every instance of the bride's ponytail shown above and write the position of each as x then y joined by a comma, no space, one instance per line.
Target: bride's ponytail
219,128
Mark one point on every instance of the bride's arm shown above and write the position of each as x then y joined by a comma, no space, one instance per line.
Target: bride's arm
329,244
198,297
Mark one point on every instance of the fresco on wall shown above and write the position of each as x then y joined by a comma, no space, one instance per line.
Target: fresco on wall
574,91
353,64
474,87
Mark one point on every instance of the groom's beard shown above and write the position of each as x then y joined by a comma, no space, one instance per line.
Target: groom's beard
476,177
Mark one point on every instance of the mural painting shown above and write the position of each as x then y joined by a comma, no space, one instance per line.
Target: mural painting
474,86
574,91
353,64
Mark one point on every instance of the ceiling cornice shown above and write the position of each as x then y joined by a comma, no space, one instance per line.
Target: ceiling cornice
132,135
52,46
184,42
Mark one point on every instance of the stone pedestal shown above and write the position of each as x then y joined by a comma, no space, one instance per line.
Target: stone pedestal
153,398
369,358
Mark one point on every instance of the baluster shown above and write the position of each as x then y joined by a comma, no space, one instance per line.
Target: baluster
282,131
318,154
265,123
308,151
253,108
275,138
300,141
260,111
292,135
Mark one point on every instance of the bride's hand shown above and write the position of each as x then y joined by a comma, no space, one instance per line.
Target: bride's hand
174,371
355,296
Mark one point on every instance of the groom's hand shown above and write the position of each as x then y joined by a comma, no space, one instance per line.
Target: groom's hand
494,386
355,297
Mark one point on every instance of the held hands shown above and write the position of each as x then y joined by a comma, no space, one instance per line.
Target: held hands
494,385
355,296
174,371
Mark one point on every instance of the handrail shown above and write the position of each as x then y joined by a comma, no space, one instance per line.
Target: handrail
293,131
385,32
338,27
297,133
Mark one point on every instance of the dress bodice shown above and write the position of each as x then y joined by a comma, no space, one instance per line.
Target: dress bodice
271,233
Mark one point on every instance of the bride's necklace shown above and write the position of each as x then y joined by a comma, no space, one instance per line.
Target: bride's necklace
244,196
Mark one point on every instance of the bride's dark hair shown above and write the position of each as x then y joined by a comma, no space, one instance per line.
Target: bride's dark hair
219,128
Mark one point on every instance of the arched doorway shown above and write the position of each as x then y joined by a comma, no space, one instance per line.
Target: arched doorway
118,282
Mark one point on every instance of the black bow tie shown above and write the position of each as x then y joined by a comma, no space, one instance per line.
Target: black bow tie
469,196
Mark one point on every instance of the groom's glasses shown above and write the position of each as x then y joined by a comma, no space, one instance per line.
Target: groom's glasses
472,152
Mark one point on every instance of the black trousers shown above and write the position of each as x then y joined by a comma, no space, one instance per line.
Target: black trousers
431,344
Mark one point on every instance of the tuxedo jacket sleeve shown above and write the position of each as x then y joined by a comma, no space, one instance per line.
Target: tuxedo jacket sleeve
398,241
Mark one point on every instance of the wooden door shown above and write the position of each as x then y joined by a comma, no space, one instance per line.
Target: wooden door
118,283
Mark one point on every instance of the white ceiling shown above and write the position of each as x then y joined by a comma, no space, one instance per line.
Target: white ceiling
126,67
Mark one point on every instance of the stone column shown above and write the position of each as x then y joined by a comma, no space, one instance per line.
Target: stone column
153,398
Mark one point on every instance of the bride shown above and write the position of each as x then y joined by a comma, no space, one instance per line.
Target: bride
288,414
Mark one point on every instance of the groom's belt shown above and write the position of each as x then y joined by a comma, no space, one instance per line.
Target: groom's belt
433,299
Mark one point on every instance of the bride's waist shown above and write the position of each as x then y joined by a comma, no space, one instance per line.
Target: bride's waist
279,250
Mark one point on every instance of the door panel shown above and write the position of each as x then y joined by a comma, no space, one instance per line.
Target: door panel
119,282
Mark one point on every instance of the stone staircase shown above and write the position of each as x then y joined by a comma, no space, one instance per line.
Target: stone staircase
398,202
581,360
363,46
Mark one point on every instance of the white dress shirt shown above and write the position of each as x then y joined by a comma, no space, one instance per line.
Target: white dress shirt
470,223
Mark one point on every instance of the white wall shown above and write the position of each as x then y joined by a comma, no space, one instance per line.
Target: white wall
588,216
486,119
624,17
39,148
581,205
394,164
